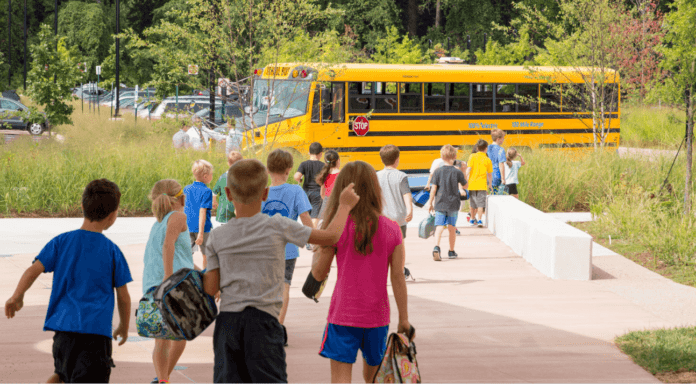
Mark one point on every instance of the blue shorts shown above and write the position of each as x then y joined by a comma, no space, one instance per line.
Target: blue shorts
341,343
443,219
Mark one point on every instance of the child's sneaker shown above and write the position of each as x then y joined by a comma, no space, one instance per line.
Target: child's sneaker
408,274
457,232
480,224
472,222
452,254
309,247
436,253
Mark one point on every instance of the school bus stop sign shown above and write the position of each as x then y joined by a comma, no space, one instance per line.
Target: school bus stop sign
361,126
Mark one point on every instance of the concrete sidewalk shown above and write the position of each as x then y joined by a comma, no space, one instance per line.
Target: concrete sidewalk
487,316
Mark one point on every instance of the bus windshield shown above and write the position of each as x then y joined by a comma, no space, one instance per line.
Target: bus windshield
285,98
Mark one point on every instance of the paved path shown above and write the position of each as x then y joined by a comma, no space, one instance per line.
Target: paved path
487,316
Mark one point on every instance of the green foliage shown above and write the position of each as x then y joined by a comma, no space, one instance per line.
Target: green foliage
324,47
366,20
52,59
520,52
651,127
86,27
661,350
679,52
395,49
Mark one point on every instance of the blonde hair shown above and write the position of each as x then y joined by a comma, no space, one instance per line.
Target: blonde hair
247,180
233,157
162,197
201,168
497,134
448,152
511,155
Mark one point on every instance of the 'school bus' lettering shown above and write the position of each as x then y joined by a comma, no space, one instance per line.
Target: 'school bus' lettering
420,108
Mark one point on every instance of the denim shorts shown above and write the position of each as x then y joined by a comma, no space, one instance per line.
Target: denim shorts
342,343
443,219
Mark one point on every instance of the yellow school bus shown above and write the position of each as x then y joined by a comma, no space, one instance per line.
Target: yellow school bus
358,108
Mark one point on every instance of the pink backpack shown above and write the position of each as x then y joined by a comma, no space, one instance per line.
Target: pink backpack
399,364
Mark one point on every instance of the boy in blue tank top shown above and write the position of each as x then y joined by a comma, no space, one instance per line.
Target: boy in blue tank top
86,268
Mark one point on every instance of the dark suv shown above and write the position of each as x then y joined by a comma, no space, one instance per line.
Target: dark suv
10,119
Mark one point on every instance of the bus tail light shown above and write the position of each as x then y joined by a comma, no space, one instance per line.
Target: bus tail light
303,74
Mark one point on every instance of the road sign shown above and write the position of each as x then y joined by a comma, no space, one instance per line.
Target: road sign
98,68
192,69
361,126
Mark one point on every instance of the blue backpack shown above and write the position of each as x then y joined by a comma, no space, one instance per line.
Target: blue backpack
420,198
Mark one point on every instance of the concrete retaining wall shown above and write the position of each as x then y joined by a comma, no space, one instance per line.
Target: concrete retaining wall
556,249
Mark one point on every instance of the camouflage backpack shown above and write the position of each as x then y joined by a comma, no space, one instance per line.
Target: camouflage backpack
184,305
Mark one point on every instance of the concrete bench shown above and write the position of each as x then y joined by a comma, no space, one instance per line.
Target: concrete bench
556,249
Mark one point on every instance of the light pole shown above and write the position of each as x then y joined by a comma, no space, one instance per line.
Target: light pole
25,45
9,45
118,53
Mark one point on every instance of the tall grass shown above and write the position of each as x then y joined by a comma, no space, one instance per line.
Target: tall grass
651,127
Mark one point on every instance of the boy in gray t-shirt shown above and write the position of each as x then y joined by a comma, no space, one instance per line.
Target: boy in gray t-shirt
398,202
246,263
445,199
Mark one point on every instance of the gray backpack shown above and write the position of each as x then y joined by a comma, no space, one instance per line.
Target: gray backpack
184,305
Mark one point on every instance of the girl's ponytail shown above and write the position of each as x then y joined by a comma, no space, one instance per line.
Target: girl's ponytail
511,154
163,195
331,160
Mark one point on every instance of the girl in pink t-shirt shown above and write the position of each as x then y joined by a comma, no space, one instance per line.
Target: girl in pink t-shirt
370,245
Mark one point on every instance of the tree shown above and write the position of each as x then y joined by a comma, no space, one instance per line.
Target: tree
52,59
679,54
389,50
85,26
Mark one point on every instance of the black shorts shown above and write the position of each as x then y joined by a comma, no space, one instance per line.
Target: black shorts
82,358
315,200
289,270
512,189
248,348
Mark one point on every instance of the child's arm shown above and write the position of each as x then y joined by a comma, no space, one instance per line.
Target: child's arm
521,160
489,176
211,281
429,205
323,192
175,225
306,220
332,233
124,307
16,302
399,287
298,177
215,201
201,225
321,263
408,200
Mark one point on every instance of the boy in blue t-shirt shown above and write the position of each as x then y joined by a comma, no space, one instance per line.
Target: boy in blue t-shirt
288,200
199,202
497,155
86,268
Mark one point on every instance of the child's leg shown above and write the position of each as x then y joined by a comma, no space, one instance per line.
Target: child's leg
479,213
286,301
341,372
438,234
369,371
176,349
452,236
54,379
160,358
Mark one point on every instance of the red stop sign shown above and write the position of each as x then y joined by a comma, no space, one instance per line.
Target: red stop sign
361,126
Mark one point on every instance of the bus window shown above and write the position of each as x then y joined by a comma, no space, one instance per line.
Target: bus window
505,100
332,103
527,98
482,98
550,98
360,97
574,98
316,105
611,97
411,98
435,97
459,97
385,97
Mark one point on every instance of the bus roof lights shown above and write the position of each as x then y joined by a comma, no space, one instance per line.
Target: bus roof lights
450,60
294,73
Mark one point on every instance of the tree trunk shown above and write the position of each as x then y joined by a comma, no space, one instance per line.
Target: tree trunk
437,14
412,18
689,149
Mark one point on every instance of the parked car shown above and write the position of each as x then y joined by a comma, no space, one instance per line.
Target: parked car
10,94
186,104
10,119
231,110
